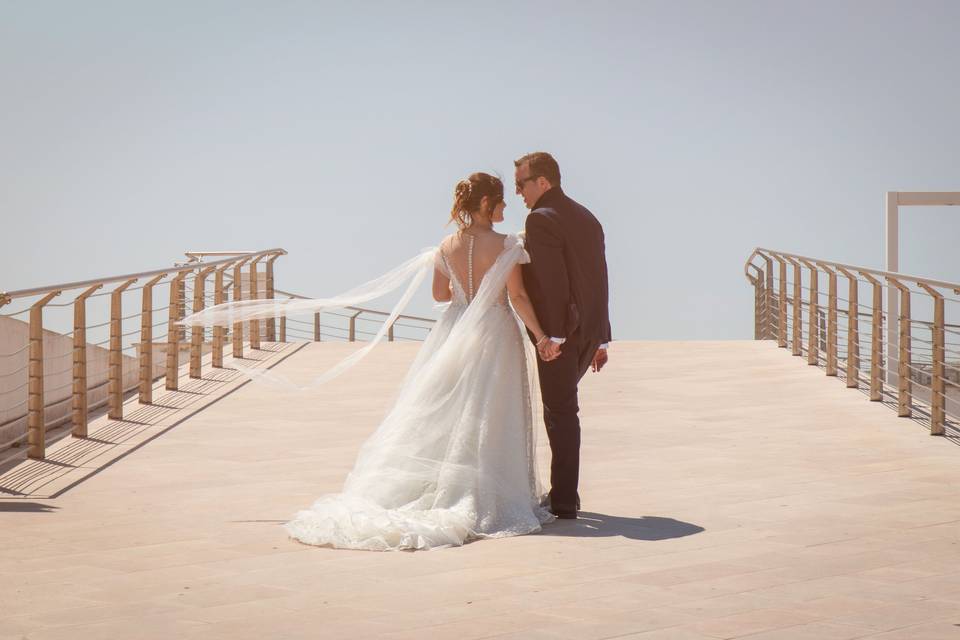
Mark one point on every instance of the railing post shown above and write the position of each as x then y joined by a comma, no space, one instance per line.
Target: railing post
937,386
938,403
172,383
197,331
271,321
782,313
182,308
219,297
876,339
146,341
36,426
79,401
353,326
831,344
115,384
254,324
797,309
238,295
821,333
283,328
813,339
390,333
904,382
757,301
768,301
316,327
853,331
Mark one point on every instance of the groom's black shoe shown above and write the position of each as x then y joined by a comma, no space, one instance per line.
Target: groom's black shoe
561,513
545,501
565,512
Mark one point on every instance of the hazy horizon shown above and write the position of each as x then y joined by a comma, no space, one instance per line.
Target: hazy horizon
695,131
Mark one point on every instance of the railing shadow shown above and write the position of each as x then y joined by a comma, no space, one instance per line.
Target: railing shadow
920,411
25,507
92,455
920,371
600,525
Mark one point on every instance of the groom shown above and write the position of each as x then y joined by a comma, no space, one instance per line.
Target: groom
567,283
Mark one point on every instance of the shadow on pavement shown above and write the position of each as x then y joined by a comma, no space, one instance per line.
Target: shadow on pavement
599,525
26,507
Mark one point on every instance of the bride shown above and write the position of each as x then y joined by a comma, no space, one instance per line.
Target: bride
454,459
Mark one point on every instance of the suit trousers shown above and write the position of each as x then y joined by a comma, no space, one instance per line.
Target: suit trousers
558,387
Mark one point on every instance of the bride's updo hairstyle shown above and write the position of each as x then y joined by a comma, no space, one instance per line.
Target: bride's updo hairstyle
468,194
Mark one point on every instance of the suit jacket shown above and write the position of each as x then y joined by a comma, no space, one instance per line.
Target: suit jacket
566,277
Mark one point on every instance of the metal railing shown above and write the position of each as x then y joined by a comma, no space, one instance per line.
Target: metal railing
235,276
843,334
36,367
355,314
319,330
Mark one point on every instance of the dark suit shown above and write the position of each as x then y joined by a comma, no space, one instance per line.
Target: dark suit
566,280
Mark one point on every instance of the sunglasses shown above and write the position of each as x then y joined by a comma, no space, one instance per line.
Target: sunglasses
522,181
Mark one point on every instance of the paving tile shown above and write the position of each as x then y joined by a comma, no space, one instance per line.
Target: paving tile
894,617
814,631
761,501
750,622
931,631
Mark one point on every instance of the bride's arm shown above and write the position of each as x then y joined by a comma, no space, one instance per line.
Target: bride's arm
521,302
441,287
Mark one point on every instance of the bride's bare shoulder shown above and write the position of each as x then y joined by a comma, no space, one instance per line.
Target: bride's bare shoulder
498,239
448,241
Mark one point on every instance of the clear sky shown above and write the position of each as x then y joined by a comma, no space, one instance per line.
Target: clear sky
131,132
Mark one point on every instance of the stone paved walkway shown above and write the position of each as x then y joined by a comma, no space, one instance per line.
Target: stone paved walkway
729,491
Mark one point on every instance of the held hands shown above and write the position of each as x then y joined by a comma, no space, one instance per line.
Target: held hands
548,349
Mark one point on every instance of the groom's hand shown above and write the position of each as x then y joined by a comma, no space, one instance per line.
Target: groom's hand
550,350
599,359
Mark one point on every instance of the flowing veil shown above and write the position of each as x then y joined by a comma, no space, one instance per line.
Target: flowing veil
427,438
412,271
228,313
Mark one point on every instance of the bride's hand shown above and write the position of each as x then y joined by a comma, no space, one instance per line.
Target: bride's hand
549,350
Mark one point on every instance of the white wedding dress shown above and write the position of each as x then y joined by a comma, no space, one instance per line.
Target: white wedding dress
455,458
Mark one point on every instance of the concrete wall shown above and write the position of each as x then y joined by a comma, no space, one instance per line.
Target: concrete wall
58,366
58,375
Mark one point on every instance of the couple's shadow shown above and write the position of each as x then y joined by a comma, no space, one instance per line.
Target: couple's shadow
599,525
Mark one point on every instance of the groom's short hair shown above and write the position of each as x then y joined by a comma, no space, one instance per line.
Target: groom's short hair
541,164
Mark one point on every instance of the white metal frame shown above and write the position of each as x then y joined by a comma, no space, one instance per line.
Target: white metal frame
895,200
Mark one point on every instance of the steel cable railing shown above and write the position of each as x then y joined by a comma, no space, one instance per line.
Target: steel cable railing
797,302
14,372
361,315
13,353
46,379
131,349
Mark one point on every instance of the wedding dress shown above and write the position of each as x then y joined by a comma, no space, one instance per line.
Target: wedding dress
454,459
